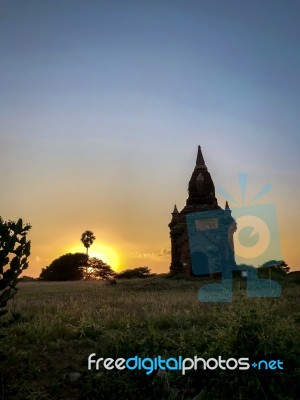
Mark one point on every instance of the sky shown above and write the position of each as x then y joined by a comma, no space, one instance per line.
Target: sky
104,102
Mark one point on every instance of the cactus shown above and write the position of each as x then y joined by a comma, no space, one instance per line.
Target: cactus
14,252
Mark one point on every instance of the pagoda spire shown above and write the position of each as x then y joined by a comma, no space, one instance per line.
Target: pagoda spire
175,211
227,206
175,216
200,160
201,188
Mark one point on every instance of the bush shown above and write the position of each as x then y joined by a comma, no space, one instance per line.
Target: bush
68,267
26,278
294,276
14,250
140,272
273,268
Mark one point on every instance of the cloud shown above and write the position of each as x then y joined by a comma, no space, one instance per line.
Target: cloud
37,258
162,253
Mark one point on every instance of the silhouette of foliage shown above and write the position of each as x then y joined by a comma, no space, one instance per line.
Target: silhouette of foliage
139,272
98,269
294,276
87,239
26,278
14,251
272,266
68,267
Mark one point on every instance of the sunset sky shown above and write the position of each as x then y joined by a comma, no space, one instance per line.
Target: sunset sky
104,102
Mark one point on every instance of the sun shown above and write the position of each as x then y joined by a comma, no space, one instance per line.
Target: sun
102,251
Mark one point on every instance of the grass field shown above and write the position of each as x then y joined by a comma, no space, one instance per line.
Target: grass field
51,329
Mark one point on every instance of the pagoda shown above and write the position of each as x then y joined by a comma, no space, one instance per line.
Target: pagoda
202,232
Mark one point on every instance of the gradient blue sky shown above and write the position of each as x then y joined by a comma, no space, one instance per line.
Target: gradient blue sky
103,104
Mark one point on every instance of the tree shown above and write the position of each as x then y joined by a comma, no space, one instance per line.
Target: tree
139,272
278,267
14,251
68,267
98,269
87,239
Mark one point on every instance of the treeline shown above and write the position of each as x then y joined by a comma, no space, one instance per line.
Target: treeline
79,266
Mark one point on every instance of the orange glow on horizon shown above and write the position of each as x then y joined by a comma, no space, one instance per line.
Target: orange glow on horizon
100,250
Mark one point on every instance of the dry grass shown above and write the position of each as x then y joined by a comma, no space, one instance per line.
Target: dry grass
57,325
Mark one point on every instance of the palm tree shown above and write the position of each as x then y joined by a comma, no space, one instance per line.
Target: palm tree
87,239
